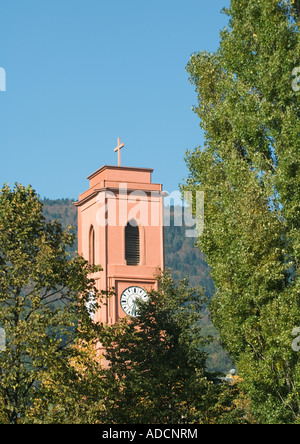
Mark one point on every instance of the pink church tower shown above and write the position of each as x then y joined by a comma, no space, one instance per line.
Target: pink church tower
120,227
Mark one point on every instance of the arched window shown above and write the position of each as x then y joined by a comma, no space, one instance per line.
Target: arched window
132,243
92,246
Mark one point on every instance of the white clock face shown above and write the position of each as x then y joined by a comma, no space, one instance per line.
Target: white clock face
130,298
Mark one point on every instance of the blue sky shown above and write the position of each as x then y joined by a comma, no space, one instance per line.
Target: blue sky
81,73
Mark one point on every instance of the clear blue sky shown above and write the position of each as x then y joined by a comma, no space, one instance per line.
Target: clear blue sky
81,73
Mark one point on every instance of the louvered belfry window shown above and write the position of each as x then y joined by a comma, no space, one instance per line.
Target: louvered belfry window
132,243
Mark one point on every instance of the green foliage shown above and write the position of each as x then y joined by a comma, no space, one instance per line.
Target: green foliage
43,293
249,171
72,392
158,366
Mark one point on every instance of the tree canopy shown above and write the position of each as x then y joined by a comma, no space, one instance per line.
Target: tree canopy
43,293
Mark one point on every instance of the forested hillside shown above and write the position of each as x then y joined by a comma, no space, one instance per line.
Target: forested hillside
181,256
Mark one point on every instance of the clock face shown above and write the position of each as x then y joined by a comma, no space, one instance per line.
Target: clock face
130,298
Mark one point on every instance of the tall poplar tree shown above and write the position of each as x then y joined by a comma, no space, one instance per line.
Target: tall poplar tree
248,105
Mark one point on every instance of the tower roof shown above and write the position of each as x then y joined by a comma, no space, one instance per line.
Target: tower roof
112,177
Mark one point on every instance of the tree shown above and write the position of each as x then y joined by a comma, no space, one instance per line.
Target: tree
249,171
158,366
43,293
72,392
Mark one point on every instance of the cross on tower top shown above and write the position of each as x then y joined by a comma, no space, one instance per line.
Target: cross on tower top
119,147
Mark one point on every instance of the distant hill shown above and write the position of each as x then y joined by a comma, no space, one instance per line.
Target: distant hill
61,209
181,255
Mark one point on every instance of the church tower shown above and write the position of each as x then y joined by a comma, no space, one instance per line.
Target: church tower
120,227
